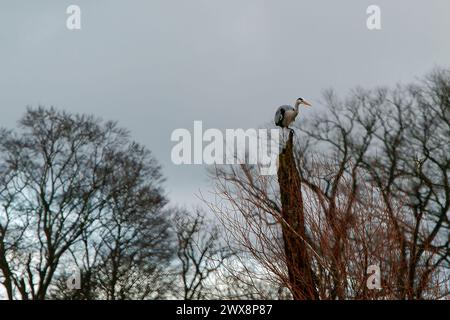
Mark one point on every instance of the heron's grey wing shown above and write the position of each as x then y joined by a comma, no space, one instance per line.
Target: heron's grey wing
279,115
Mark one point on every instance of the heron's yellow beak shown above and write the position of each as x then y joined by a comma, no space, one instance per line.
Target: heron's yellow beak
306,103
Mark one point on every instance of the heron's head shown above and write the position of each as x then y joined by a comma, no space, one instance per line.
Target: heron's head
303,101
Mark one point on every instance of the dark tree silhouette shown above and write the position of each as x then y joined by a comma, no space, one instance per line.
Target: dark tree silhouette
77,191
200,253
373,189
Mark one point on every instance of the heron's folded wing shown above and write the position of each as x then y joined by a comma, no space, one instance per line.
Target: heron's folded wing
279,115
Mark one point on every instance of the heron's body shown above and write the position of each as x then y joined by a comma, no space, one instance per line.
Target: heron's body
286,114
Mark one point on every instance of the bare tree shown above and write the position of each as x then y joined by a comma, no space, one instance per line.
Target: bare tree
200,253
399,137
372,189
69,182
126,253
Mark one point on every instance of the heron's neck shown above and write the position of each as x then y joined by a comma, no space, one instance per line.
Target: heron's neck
297,103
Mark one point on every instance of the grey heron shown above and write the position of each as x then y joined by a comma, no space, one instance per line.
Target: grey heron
286,114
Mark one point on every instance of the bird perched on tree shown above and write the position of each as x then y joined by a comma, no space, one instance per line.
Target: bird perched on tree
286,114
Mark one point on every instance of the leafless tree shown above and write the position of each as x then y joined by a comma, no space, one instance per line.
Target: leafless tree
76,191
200,253
399,137
374,189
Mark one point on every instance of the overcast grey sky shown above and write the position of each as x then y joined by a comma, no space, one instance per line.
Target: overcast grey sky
159,65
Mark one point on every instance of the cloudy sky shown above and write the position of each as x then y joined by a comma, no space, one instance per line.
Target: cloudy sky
158,65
